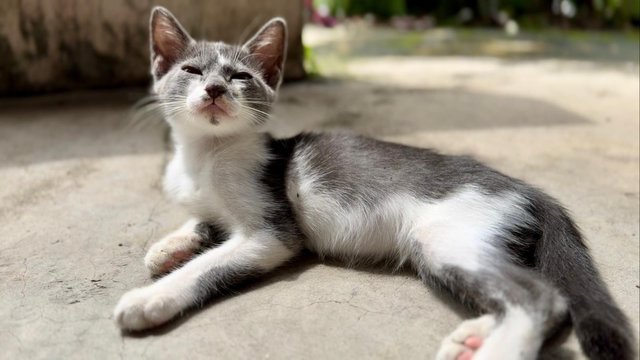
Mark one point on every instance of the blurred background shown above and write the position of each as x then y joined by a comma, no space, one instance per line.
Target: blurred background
587,30
63,45
543,90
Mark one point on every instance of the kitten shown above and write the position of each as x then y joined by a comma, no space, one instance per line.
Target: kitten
497,244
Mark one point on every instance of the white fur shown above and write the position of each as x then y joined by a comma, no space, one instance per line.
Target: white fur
196,96
462,229
217,179
518,337
222,60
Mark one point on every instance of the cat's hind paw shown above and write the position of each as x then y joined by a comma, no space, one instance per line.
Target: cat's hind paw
466,339
142,308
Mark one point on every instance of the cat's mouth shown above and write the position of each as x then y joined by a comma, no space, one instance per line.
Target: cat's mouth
216,110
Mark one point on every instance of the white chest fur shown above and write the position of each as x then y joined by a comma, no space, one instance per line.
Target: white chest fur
217,179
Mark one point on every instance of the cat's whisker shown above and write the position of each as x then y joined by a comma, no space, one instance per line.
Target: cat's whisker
266,114
255,119
144,113
256,102
251,107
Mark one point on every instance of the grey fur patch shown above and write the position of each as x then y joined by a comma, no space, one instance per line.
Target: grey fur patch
366,170
211,234
221,279
280,215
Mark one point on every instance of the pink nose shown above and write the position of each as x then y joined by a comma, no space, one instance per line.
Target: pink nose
215,90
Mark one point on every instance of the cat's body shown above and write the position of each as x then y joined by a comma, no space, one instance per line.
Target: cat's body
351,197
497,244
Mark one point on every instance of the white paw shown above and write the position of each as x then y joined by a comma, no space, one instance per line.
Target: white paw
466,339
169,253
144,308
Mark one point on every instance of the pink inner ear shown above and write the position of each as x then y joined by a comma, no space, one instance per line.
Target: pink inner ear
268,48
168,41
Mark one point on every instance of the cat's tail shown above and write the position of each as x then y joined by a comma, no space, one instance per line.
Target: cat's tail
562,257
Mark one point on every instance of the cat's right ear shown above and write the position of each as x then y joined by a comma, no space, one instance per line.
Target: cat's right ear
169,41
269,48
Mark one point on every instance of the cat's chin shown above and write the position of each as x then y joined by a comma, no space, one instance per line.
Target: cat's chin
216,112
216,119
205,125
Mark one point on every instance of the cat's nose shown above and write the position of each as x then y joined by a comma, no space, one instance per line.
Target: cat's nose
215,90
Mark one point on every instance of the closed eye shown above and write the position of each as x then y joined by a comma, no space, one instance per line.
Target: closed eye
241,76
191,70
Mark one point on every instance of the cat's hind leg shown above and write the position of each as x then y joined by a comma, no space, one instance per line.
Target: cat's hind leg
181,245
520,311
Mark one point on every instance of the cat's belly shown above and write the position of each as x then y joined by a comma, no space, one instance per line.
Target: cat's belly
334,227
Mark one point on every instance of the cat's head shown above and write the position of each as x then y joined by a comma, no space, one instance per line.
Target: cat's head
214,88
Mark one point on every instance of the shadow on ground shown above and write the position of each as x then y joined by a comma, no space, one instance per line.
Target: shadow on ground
307,261
376,110
101,124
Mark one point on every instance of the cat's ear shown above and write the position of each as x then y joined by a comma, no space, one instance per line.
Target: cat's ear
169,41
269,48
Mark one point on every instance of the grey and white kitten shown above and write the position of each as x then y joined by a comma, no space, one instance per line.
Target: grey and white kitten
497,244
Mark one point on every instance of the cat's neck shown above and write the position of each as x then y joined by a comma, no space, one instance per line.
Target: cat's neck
246,149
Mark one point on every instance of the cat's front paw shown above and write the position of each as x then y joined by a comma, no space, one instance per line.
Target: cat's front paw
144,308
171,252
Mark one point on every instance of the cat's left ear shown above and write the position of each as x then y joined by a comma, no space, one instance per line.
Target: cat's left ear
169,41
269,48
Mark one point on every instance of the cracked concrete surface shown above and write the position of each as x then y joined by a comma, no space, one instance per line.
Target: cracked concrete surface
81,202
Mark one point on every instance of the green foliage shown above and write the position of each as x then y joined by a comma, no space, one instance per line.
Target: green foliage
590,13
381,8
631,8
309,62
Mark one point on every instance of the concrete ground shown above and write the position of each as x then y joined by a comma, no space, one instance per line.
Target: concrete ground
81,202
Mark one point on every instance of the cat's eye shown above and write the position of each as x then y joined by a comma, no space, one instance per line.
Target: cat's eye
191,70
241,76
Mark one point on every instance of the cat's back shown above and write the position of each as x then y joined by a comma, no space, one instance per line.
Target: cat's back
371,167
